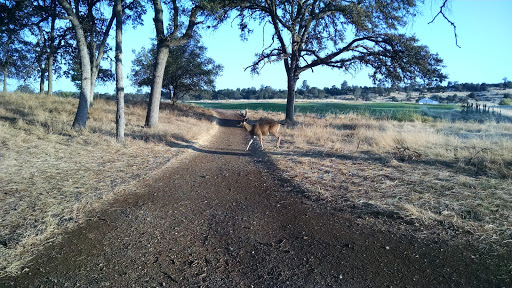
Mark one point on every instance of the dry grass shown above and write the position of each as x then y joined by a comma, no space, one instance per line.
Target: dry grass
450,176
51,175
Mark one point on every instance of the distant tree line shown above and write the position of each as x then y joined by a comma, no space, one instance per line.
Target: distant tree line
343,91
354,92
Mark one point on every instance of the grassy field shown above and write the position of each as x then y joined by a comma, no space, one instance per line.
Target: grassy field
448,178
395,111
51,176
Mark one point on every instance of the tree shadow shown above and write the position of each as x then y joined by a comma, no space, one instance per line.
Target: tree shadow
385,160
11,120
223,117
193,147
342,204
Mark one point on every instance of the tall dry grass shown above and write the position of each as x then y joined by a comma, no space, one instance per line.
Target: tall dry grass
454,176
51,175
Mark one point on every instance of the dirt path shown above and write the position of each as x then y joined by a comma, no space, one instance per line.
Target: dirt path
223,218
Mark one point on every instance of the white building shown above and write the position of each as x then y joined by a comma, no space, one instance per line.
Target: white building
428,101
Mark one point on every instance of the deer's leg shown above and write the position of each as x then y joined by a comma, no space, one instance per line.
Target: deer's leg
261,141
250,142
278,141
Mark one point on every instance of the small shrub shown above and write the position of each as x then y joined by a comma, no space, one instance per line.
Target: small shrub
472,95
404,153
25,88
505,101
407,116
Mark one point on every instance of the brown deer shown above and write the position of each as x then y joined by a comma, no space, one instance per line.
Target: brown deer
260,129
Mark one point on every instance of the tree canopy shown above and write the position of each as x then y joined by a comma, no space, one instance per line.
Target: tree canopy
15,51
188,69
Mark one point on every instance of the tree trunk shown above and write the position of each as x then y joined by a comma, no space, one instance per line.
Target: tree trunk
94,76
291,67
83,104
41,81
96,59
85,90
290,99
83,107
164,43
119,73
50,55
156,86
5,80
50,74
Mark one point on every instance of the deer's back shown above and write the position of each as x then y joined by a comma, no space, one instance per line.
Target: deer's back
265,127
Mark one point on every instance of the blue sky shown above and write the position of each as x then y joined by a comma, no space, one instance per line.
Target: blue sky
483,29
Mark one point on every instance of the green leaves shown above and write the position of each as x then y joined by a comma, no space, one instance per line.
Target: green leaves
188,69
398,58
346,35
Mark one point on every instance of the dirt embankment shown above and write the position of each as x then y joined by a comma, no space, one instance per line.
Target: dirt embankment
225,217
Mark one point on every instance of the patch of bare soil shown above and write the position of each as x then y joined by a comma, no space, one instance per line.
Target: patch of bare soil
226,217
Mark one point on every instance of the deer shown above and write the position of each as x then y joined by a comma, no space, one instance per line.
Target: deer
262,128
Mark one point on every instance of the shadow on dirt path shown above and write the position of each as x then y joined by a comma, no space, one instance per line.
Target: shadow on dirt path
224,217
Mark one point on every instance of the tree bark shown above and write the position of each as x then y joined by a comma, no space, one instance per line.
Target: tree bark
96,59
291,65
94,76
290,99
5,79
50,74
50,55
85,90
156,86
41,81
164,43
120,122
159,67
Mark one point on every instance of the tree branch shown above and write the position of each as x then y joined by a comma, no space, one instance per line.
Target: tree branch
158,20
326,59
265,57
277,31
104,40
175,16
441,12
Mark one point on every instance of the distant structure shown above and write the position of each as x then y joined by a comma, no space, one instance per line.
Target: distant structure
427,100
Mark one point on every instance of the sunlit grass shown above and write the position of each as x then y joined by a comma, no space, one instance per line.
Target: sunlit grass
438,172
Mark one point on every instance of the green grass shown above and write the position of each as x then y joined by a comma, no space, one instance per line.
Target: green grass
396,111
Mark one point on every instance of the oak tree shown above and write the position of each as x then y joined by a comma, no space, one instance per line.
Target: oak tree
346,35
185,16
92,27
187,70
54,44
15,50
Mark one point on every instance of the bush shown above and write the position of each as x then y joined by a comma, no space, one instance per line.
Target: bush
406,116
64,94
505,101
25,89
